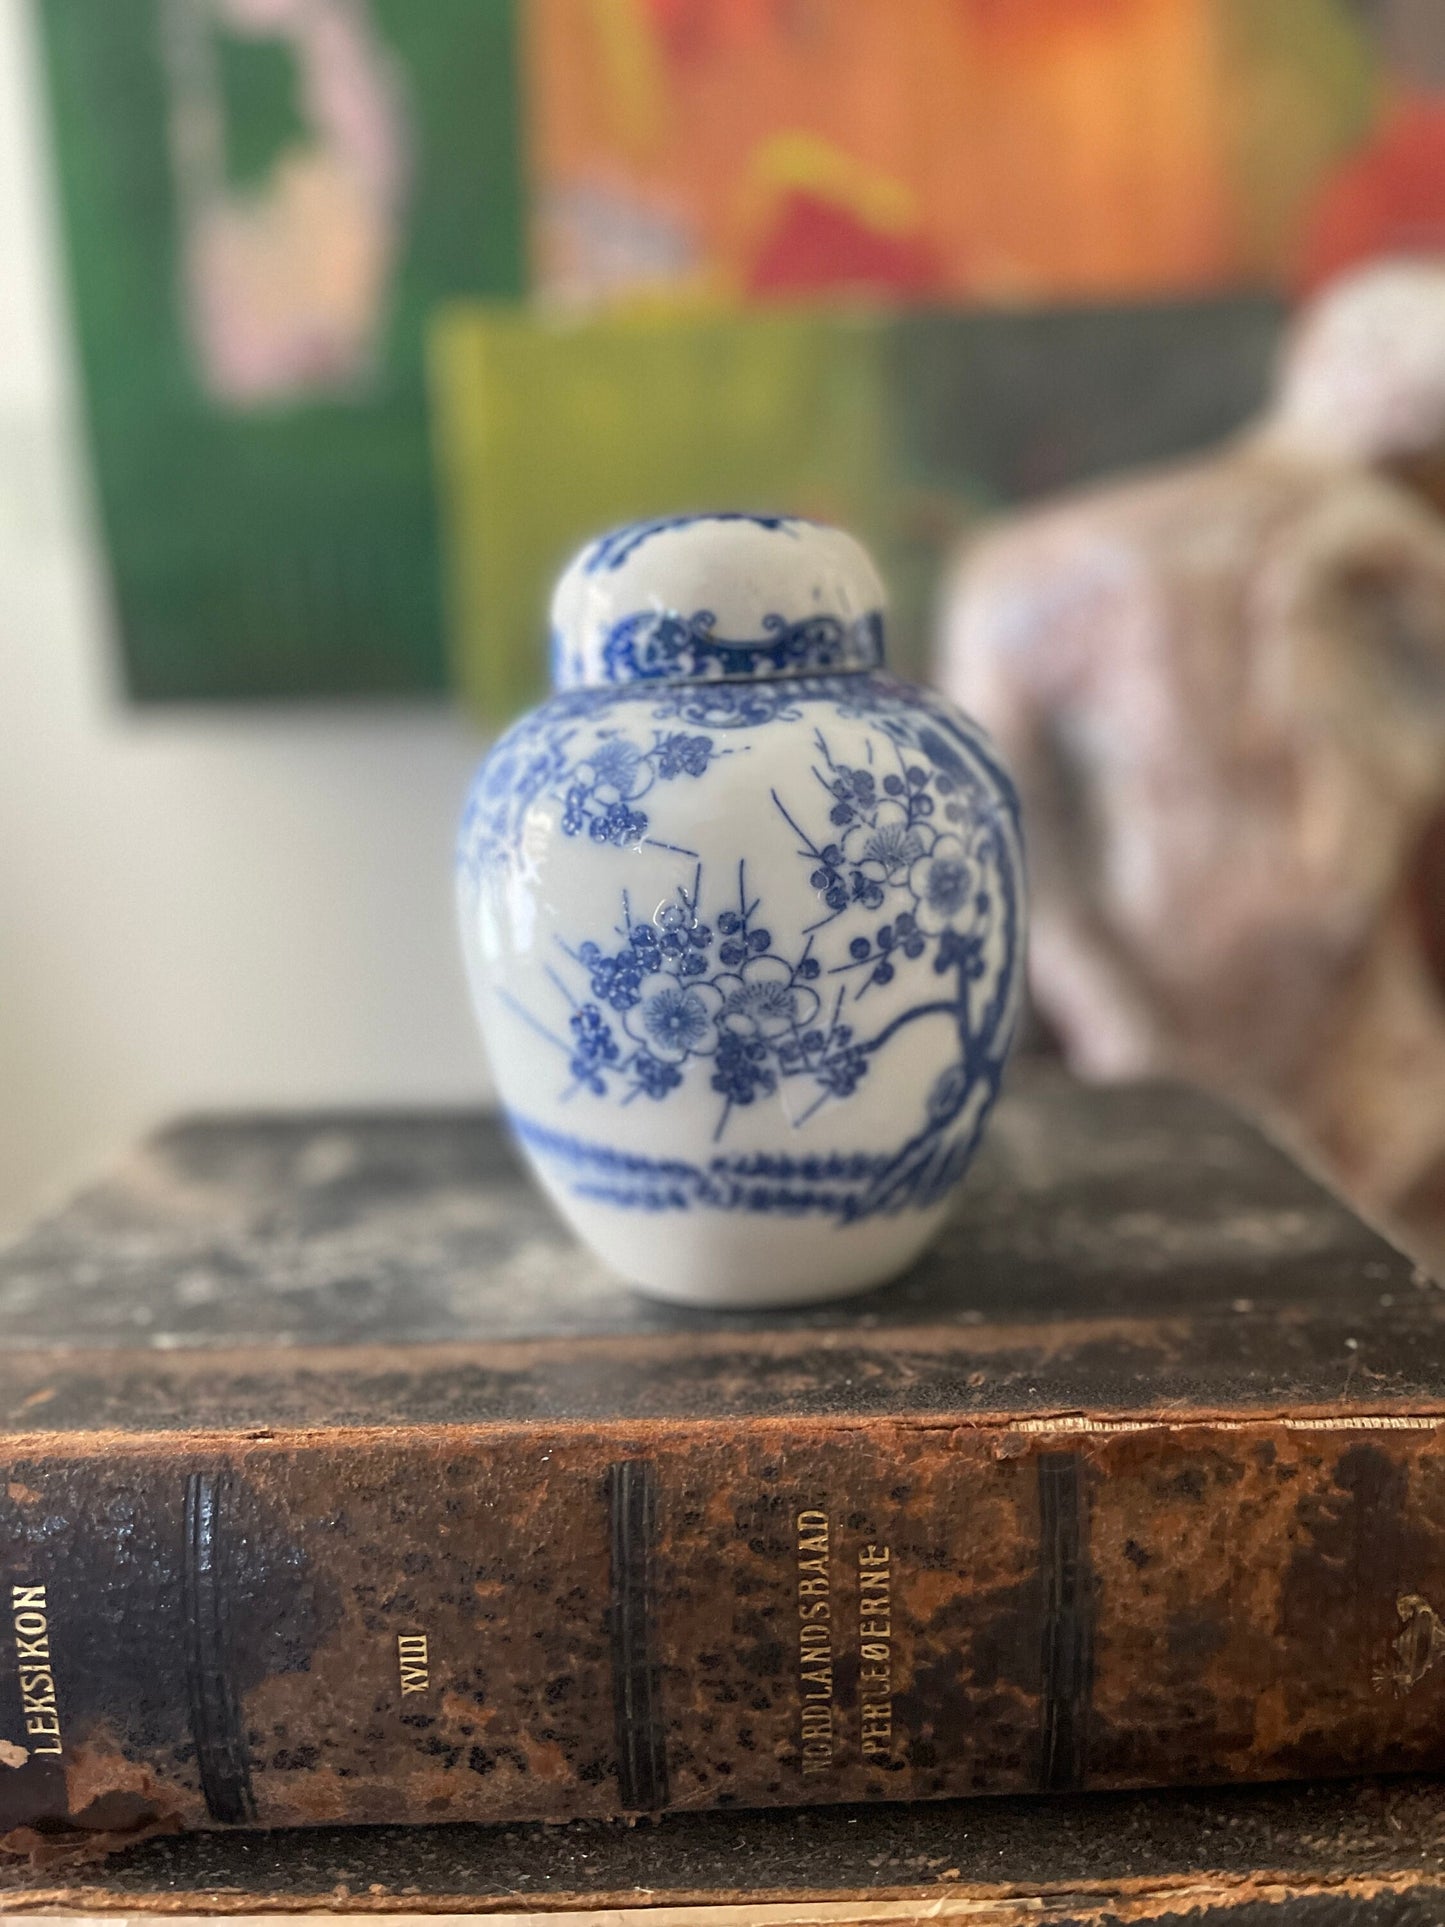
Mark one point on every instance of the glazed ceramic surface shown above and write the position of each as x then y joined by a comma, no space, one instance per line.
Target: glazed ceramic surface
743,918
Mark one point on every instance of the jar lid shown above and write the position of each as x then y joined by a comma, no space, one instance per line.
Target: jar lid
727,597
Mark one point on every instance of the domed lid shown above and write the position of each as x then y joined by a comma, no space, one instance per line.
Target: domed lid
712,598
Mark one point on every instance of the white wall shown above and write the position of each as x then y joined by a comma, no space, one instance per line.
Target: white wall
198,907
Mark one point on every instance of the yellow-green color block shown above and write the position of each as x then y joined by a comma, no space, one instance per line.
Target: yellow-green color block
550,430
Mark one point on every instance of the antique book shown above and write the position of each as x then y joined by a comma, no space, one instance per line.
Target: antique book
339,1486
1322,1854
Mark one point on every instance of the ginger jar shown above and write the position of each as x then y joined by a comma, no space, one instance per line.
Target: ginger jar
743,917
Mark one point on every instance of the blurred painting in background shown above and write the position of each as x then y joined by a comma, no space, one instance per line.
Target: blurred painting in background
902,427
776,408
901,261
265,201
1018,151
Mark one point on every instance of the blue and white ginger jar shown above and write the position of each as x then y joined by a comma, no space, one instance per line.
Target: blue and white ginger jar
743,918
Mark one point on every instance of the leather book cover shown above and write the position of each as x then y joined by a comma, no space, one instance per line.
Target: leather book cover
339,1486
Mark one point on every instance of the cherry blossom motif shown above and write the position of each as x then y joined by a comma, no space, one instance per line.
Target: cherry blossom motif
887,846
763,998
696,937
673,1018
944,885
620,771
904,889
598,790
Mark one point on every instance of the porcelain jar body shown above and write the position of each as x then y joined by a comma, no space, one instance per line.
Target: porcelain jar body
745,949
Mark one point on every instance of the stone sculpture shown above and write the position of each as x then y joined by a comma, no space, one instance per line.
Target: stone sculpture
1222,689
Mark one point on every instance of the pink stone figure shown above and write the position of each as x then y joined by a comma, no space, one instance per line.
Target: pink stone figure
1222,687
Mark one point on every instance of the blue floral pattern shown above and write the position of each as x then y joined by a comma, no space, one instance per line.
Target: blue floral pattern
599,778
909,847
610,551
659,645
684,993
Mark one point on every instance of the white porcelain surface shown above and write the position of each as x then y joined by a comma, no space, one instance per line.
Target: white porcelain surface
743,919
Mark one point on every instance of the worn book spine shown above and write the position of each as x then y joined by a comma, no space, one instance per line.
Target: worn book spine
516,1622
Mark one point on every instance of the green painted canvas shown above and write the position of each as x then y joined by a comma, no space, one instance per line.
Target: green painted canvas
264,200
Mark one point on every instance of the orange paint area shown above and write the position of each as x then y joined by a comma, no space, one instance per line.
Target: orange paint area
979,151
917,149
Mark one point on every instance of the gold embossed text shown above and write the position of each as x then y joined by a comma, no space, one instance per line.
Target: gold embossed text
39,1706
411,1657
875,1651
815,1644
